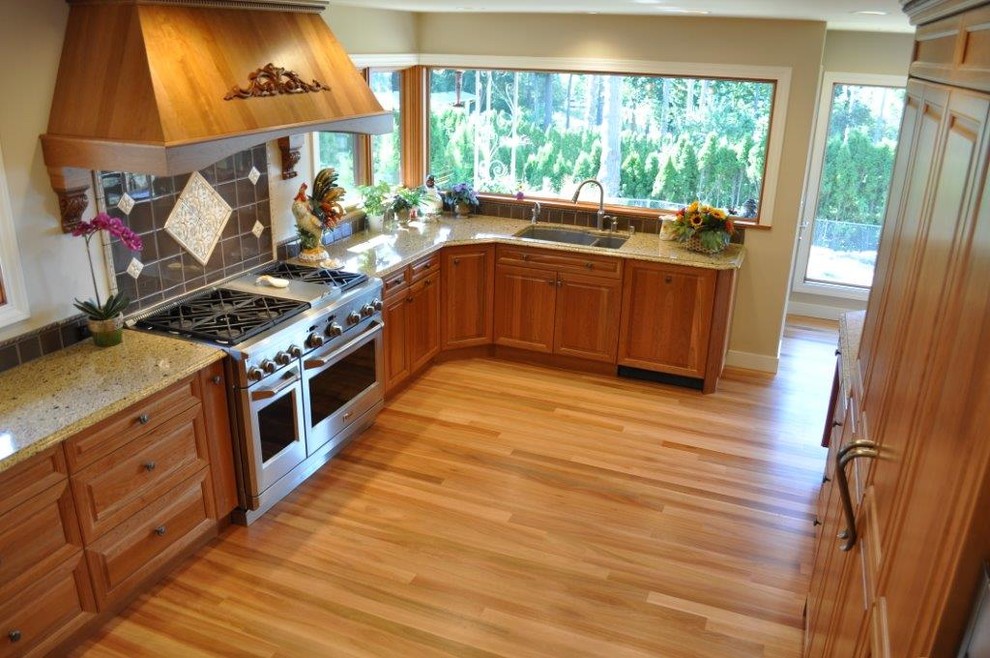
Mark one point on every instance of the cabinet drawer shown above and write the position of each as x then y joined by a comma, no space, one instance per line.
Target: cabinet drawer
424,267
122,482
47,610
38,534
91,445
124,557
395,283
560,261
29,478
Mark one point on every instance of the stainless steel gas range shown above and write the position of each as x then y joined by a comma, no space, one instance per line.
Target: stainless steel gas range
305,368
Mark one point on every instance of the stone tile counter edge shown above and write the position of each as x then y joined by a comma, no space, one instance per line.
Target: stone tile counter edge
49,399
381,254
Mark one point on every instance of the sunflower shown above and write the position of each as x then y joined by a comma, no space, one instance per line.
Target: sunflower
697,220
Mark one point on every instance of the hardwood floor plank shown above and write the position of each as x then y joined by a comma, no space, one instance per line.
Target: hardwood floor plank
507,509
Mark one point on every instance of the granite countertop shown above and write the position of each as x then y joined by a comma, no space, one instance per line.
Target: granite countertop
850,332
381,254
49,399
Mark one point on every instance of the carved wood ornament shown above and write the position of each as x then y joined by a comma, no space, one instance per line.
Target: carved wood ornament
274,80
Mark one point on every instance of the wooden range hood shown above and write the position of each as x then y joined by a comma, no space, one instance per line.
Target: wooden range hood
166,87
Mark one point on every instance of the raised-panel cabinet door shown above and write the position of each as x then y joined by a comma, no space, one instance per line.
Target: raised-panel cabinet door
666,318
587,318
524,308
468,297
394,341
423,322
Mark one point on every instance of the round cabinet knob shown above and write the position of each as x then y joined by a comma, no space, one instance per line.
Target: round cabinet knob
367,311
14,636
217,380
160,531
283,358
377,303
255,373
353,318
144,419
334,330
150,466
269,366
315,340
294,351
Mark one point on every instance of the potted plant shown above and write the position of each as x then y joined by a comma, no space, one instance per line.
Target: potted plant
402,201
462,199
702,228
105,319
375,198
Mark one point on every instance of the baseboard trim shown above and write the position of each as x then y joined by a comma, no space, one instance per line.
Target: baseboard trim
821,311
751,361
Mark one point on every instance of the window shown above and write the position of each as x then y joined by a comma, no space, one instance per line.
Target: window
338,150
386,150
848,183
654,141
13,298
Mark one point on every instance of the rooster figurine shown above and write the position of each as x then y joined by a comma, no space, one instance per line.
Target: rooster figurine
318,213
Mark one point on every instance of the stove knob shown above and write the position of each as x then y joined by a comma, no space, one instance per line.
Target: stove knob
353,318
334,330
377,303
367,311
255,373
268,366
283,358
314,340
294,351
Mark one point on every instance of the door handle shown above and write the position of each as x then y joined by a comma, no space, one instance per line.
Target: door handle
848,453
267,393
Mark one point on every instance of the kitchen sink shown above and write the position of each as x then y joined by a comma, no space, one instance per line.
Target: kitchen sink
572,236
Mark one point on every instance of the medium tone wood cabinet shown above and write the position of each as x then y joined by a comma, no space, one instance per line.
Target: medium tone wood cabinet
919,397
468,296
89,523
411,312
675,320
560,303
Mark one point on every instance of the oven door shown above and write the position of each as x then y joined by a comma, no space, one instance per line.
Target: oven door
343,382
274,437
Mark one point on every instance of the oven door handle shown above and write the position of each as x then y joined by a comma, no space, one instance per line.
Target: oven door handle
310,364
267,393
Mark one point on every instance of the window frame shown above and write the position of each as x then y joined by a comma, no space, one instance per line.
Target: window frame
15,305
813,182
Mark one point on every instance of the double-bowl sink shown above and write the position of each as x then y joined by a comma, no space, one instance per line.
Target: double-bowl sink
576,236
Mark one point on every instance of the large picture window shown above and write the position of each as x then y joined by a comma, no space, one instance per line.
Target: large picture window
653,141
13,297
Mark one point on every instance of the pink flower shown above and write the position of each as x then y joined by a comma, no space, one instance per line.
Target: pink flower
520,195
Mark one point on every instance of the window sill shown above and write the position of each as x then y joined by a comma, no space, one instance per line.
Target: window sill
832,290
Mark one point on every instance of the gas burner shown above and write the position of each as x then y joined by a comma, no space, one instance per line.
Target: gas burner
225,317
337,278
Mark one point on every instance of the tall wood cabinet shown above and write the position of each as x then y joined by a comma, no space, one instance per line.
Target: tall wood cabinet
919,472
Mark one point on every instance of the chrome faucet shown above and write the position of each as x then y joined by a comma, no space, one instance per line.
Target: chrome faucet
600,224
537,209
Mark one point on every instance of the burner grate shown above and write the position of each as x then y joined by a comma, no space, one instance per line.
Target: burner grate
225,317
337,278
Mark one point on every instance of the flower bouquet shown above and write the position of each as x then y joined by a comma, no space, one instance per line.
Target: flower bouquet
462,199
702,228
105,319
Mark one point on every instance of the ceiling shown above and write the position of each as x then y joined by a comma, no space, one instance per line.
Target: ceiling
838,14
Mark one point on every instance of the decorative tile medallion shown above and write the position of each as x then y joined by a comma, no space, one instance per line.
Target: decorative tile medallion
135,268
126,203
198,218
258,229
254,175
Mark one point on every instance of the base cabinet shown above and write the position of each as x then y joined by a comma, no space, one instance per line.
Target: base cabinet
411,313
88,524
468,292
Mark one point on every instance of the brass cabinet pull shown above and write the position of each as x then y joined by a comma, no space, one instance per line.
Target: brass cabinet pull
847,453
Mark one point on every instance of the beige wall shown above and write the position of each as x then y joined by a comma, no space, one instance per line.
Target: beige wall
868,52
373,30
763,281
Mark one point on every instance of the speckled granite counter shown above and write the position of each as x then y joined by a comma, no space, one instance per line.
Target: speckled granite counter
50,399
850,332
379,255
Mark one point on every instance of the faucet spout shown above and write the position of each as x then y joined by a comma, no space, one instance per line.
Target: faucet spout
601,199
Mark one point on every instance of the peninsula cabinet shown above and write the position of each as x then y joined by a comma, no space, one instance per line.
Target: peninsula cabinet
468,296
88,524
411,312
919,470
675,320
557,302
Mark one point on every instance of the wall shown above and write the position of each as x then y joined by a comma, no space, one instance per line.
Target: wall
763,283
854,52
373,30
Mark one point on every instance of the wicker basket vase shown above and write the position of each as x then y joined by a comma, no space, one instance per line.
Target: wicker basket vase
694,244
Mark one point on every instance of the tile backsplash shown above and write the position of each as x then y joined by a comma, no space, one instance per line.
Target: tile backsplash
169,270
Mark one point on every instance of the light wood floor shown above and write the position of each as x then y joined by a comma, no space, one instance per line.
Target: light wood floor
498,509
